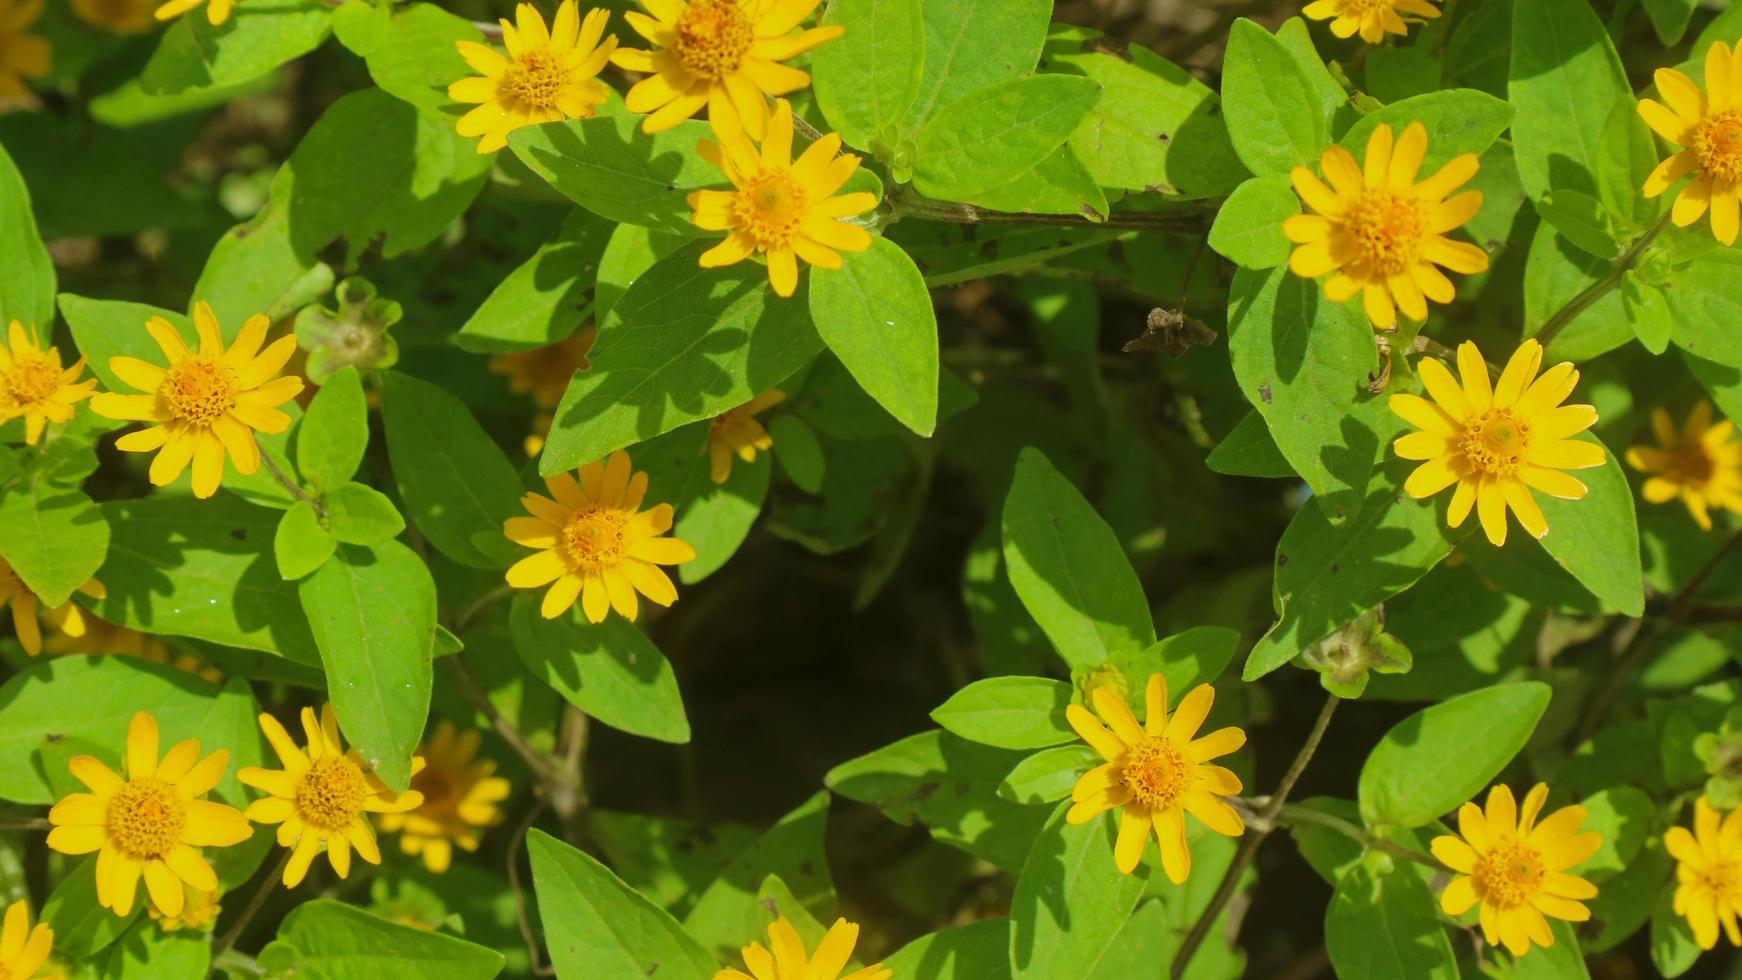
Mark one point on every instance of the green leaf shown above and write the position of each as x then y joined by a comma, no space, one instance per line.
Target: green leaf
1673,949
1060,184
727,915
613,169
547,297
104,329
971,44
1048,775
1561,961
256,267
334,941
1069,569
1297,40
362,515
1669,18
979,950
1648,311
1441,757
1274,116
876,315
1070,900
373,615
629,253
81,926
53,537
995,134
1458,121
334,432
196,54
27,288
1554,273
867,78
1703,300
1622,815
1184,660
410,50
1009,712
1628,155
684,343
453,479
1249,450
610,670
717,517
596,926
1248,228
1582,220
1597,538
798,451
1565,80
301,545
1384,924
1396,74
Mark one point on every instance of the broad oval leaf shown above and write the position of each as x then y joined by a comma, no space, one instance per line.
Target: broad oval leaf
334,431
876,315
1384,924
53,537
1458,121
1274,116
1009,712
1070,900
195,54
27,288
996,134
610,167
867,78
334,941
1048,775
1597,538
970,44
977,951
1565,80
610,670
1248,228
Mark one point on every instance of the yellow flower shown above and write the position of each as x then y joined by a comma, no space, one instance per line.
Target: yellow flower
1698,464
545,373
207,404
1373,19
788,960
1497,443
322,796
460,796
1156,773
1379,232
736,432
781,207
22,948
217,11
1517,867
595,542
22,55
103,637
1709,873
547,75
199,911
1708,126
68,617
120,16
33,385
150,824
724,54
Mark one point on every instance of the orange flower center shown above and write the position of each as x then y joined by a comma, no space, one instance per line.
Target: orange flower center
1510,874
1718,145
1722,878
1388,229
30,380
145,818
712,37
1690,464
440,793
536,78
199,390
1495,442
1156,772
594,537
770,208
331,794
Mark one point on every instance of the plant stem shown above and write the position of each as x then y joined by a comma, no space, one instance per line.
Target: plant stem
540,762
464,620
1597,290
912,205
514,845
248,911
290,486
1249,847
26,823
1294,814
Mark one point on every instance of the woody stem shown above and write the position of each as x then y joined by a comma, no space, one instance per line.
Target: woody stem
248,911
1597,290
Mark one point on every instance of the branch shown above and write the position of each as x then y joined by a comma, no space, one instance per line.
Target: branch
910,204
1597,290
537,760
290,486
1294,814
519,891
254,903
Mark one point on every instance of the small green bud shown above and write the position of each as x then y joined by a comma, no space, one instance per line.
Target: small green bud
1346,657
354,335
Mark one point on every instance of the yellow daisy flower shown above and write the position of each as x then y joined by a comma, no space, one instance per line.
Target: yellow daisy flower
723,54
1708,873
322,796
120,16
780,207
33,385
1517,867
1372,19
547,75
150,824
1156,773
461,794
1708,126
68,618
199,912
1379,232
545,373
1699,464
785,958
22,55
595,542
207,404
1497,443
23,949
736,432
100,636
217,11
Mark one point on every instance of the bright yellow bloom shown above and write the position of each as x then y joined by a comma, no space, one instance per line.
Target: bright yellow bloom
785,958
1372,19
1698,464
100,636
22,55
736,432
207,404
723,54
120,16
1379,232
545,373
217,11
33,385
781,207
461,794
1708,126
68,617
150,824
547,75
198,912
1497,443
1156,772
322,796
22,948
1517,867
1709,873
595,542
